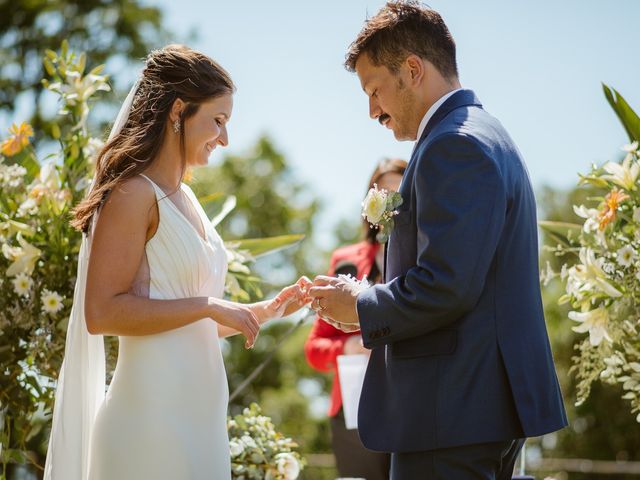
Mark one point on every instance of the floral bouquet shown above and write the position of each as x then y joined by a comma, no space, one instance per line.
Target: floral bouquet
259,452
379,208
603,287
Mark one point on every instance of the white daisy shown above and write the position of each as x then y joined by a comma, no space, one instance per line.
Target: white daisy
22,284
626,255
51,302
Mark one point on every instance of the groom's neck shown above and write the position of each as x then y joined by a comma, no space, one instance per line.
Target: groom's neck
436,88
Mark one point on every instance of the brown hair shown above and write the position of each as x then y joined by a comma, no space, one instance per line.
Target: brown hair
402,28
172,72
386,165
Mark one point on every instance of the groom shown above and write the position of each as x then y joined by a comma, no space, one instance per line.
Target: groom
461,370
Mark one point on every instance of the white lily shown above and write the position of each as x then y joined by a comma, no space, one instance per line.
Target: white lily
595,322
24,258
631,147
589,274
591,215
624,174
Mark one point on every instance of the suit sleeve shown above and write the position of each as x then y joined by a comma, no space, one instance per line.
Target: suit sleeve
460,208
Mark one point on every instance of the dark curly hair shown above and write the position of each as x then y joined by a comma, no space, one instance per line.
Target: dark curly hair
402,28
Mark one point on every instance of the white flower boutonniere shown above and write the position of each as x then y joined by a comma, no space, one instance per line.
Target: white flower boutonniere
379,208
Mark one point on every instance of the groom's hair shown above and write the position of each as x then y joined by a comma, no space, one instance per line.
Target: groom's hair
402,28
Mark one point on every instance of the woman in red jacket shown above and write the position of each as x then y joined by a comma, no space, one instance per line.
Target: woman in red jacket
325,342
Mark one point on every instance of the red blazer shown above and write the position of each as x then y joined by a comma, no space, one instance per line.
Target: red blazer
325,342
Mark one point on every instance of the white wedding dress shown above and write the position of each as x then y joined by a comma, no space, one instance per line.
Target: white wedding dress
164,415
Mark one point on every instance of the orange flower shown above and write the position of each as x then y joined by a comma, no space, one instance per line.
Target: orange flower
18,140
611,203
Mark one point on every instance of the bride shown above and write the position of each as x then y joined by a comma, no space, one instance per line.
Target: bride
151,270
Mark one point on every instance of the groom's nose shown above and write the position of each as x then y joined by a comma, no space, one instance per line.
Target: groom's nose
374,109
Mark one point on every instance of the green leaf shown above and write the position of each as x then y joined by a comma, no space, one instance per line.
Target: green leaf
263,246
48,66
211,203
228,205
629,118
394,200
97,70
593,180
64,48
82,62
562,232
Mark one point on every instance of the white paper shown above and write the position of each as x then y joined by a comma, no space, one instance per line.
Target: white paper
351,370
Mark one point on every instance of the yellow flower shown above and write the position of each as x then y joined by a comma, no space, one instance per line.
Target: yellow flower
611,203
18,140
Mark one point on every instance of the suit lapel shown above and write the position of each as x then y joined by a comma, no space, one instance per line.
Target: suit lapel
462,98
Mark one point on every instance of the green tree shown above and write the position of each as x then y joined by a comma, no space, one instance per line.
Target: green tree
102,28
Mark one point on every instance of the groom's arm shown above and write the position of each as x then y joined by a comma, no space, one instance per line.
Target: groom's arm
460,212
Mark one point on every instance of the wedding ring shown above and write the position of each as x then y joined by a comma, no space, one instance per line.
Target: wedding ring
318,305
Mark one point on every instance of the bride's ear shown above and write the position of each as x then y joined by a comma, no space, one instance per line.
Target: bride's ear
176,109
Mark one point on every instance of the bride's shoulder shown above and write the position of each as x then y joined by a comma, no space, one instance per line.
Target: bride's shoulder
130,198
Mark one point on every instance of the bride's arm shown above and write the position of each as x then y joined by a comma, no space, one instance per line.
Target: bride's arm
288,301
116,253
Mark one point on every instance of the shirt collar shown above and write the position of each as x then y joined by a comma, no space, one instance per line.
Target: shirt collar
432,111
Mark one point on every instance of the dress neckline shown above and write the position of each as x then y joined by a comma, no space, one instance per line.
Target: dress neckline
204,239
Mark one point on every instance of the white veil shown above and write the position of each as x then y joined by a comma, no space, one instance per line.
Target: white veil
81,384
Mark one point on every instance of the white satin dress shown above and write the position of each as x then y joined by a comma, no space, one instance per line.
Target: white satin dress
164,415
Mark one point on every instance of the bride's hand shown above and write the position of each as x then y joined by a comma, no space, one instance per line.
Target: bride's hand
288,301
238,317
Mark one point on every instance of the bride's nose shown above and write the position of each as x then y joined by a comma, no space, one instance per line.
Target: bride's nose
223,139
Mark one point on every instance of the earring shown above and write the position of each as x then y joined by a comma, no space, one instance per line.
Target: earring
176,126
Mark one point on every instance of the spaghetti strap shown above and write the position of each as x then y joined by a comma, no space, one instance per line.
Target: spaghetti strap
158,191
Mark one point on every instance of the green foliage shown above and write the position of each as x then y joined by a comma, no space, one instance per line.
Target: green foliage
99,28
40,251
258,451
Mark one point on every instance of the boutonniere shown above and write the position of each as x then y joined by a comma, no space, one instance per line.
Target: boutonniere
378,208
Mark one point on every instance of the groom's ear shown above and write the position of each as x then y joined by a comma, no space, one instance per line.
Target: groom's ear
415,68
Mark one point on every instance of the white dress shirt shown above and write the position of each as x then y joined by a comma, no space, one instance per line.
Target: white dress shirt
432,111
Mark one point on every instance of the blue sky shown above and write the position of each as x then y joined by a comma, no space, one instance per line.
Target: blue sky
537,66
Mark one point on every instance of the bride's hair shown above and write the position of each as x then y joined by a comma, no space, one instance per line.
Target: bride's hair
172,72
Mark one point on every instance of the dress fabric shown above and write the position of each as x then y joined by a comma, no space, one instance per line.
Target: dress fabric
164,415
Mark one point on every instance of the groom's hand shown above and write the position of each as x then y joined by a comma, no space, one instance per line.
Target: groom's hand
335,302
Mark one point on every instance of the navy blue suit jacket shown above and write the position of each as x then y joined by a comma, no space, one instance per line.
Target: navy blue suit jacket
460,352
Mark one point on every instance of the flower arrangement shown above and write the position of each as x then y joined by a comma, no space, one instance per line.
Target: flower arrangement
258,452
603,286
39,248
378,208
